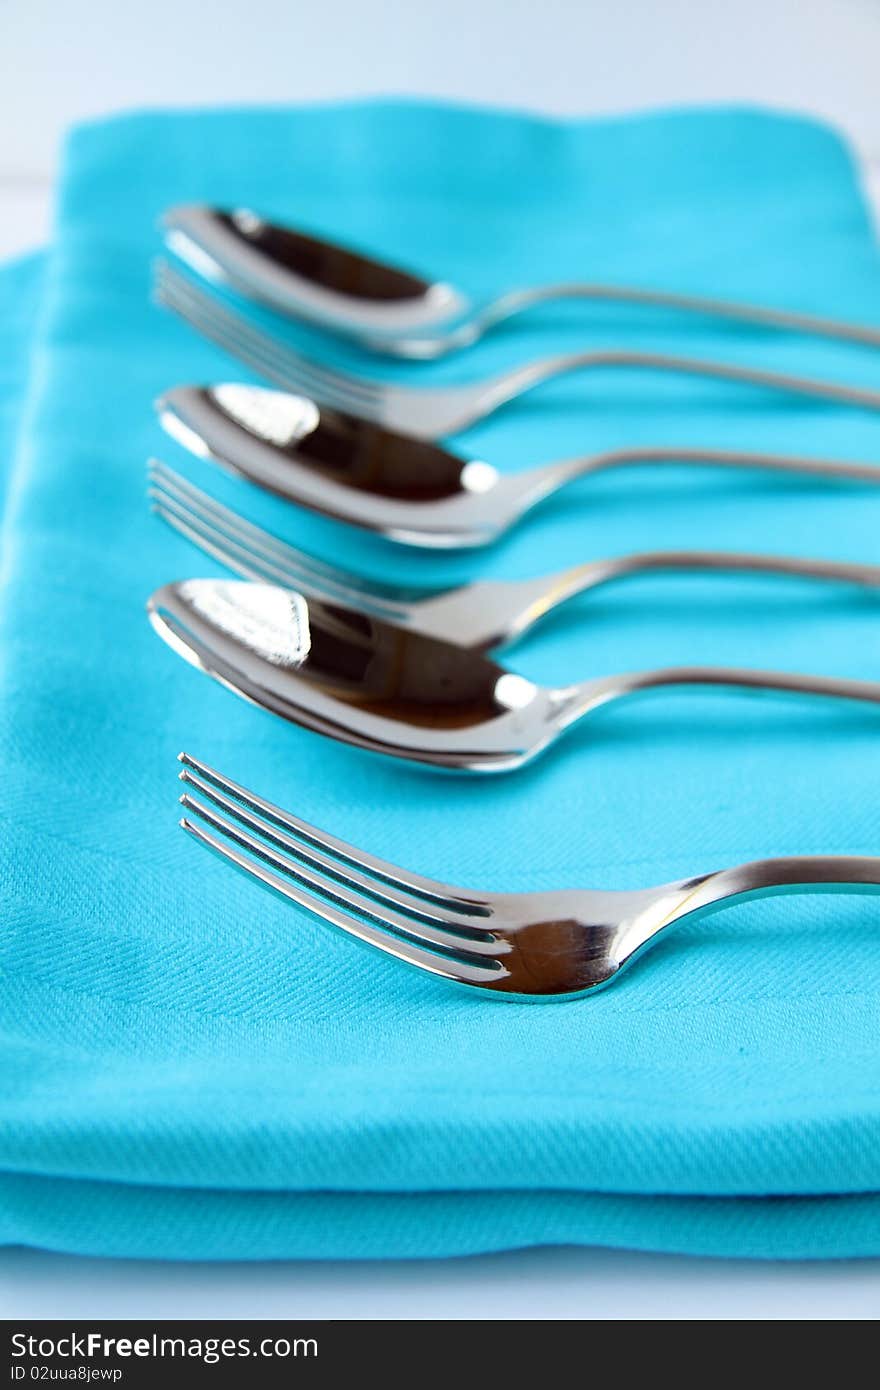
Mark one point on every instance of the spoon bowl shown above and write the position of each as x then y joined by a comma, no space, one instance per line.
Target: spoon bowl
304,276
399,313
365,681
410,490
355,677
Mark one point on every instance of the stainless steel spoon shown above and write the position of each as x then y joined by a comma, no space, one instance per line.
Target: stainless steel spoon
429,412
367,682
410,490
399,313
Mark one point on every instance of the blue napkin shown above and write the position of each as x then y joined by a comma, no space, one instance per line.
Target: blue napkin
193,1069
20,285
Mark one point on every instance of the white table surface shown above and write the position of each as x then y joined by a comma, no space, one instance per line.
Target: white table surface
64,63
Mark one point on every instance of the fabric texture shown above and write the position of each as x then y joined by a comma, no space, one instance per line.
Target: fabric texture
193,1069
20,286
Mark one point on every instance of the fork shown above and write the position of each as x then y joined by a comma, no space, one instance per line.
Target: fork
429,412
482,614
527,946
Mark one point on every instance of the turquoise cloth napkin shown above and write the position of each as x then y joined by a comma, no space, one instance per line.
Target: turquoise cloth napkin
191,1068
20,285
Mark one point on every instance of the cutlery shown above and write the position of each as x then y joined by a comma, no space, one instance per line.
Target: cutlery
529,946
483,614
376,685
400,314
430,411
410,490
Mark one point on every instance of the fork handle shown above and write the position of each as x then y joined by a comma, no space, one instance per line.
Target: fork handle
576,701
766,878
525,378
559,588
513,607
763,878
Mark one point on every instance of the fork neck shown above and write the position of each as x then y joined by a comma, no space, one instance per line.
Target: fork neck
764,878
559,588
496,613
518,380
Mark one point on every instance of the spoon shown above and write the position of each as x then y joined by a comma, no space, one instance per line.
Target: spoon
365,681
410,490
397,312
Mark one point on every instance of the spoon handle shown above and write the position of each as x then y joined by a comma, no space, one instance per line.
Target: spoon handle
576,701
516,302
549,477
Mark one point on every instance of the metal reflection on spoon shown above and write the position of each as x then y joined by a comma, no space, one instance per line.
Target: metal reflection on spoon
368,682
410,490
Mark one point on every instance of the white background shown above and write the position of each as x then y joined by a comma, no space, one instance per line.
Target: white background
67,61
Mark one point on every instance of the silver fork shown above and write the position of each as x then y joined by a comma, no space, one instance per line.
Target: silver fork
430,412
531,946
482,614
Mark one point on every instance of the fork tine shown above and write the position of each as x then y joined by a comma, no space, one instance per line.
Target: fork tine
337,903
212,543
424,888
249,550
432,927
226,327
254,352
197,504
235,326
170,487
287,377
195,304
450,967
201,504
237,555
